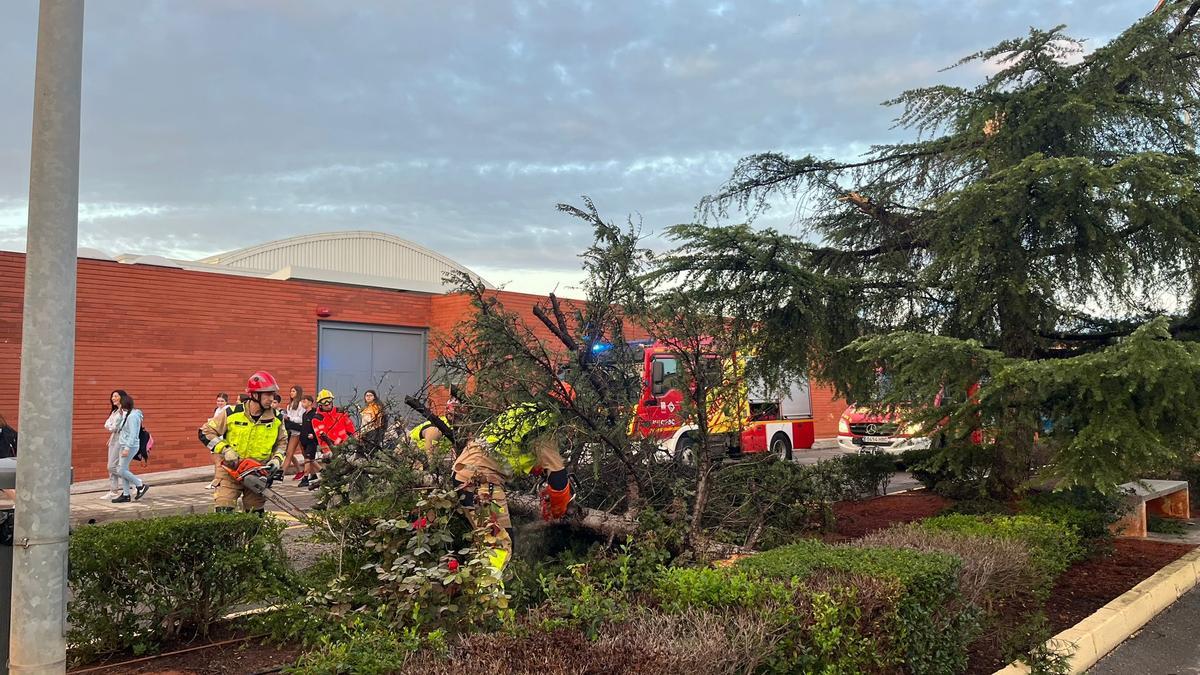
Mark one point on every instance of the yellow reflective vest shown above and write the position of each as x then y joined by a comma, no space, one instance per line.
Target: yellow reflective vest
261,440
507,434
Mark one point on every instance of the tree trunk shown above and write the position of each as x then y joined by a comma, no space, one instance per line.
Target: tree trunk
597,522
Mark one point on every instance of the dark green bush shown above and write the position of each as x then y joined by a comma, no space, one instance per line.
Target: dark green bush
928,627
1088,512
139,584
1053,546
869,472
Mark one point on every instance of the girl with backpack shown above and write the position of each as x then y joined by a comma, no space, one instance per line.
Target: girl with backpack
128,436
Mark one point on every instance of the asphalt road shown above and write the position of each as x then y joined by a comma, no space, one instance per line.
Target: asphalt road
1168,645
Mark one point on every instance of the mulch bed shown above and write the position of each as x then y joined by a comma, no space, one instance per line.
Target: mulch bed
858,519
1091,584
221,658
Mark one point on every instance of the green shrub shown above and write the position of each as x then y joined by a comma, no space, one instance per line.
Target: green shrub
369,648
1165,525
1053,546
138,584
1088,512
868,472
930,626
993,570
682,587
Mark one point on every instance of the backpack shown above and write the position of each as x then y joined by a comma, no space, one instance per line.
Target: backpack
145,445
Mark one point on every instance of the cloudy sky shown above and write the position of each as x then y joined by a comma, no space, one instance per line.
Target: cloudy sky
211,125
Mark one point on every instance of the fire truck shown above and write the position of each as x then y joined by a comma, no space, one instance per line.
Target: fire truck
860,428
742,416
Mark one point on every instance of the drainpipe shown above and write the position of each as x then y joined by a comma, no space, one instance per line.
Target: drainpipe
48,348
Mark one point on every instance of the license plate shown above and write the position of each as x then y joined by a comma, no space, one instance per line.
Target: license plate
877,440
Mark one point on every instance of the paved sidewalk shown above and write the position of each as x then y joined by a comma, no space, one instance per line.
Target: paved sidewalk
171,493
1165,646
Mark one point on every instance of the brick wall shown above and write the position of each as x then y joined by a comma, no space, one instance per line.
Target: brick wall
174,338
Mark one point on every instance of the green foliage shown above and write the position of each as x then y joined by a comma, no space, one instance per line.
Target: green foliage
1019,239
1165,525
930,625
681,587
140,584
1053,546
370,648
422,575
1088,512
869,472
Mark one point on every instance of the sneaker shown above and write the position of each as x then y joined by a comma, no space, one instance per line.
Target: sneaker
110,495
210,486
121,500
303,482
314,485
142,490
299,475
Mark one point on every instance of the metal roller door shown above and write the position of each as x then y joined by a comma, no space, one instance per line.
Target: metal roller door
352,358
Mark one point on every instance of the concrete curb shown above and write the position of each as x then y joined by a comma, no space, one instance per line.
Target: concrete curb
1094,637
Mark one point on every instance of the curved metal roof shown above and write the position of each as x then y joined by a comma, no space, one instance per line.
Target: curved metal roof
355,257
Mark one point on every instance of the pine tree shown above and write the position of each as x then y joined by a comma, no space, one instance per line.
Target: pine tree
1022,239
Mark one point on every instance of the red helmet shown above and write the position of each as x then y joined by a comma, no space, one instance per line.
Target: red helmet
260,382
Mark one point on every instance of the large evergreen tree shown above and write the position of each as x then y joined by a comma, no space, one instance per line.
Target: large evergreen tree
1023,236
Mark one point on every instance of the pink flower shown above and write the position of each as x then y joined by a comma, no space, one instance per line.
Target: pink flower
420,523
453,565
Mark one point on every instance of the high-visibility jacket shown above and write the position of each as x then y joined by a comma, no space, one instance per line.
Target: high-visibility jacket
262,440
335,424
509,432
415,434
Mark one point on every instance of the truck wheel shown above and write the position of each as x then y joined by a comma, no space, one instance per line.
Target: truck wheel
685,451
781,446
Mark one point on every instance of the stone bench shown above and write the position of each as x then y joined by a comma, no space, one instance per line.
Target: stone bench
1162,498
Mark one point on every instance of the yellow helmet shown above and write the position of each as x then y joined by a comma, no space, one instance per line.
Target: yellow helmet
325,394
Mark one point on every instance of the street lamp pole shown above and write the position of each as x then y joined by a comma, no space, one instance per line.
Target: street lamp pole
41,528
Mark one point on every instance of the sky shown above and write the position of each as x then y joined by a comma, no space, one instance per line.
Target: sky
216,124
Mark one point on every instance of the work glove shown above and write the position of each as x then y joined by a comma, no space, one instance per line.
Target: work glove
273,464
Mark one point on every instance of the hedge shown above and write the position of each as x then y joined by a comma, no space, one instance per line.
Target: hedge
840,608
1053,546
931,626
139,584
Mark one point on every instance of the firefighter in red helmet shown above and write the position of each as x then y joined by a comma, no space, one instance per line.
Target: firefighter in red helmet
249,430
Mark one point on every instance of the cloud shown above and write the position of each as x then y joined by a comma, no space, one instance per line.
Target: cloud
210,126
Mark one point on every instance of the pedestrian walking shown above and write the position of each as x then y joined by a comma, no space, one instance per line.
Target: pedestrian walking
113,426
293,421
128,441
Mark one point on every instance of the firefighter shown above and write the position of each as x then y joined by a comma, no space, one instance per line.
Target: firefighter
426,436
523,439
253,431
331,427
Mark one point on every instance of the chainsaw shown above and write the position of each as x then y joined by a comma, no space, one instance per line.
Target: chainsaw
256,477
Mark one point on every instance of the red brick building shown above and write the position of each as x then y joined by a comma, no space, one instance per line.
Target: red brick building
174,333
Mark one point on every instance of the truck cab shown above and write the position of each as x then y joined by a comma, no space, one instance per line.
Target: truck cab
747,419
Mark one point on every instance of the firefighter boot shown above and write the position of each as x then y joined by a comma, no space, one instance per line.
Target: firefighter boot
555,502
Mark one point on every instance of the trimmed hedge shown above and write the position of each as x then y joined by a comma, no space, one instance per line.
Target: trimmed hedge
931,627
840,608
1053,546
138,584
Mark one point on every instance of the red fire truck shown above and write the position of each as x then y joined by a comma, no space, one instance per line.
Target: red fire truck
748,419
